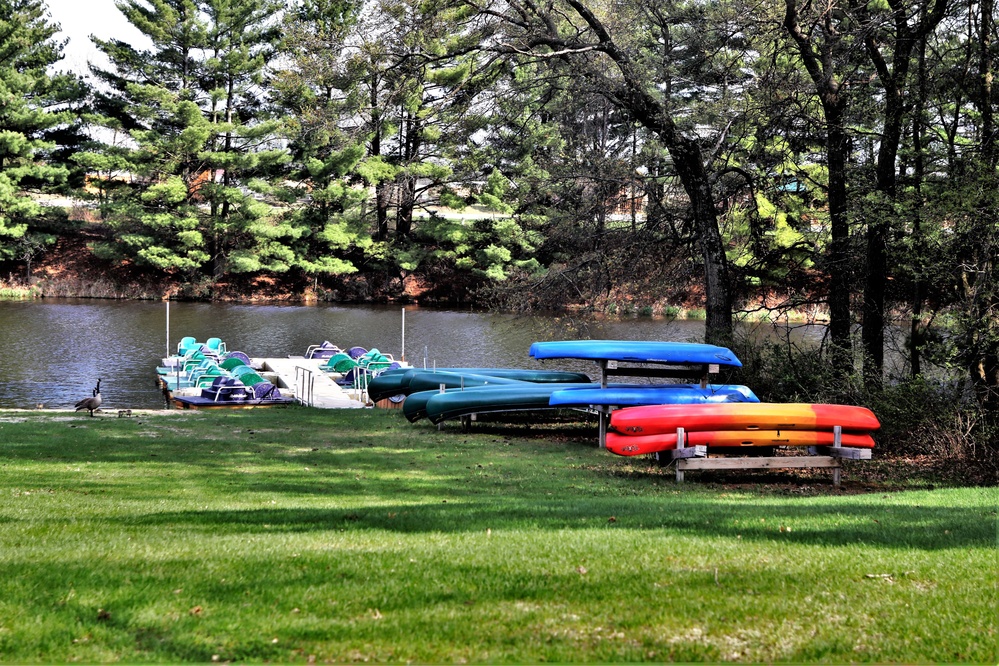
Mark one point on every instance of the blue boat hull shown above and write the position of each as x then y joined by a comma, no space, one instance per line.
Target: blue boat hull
666,394
637,351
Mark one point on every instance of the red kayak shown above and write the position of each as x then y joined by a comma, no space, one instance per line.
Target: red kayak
655,419
636,445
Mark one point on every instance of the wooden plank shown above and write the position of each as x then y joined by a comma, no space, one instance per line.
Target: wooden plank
698,451
776,462
659,373
844,452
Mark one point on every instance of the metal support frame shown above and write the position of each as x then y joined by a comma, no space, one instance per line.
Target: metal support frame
611,368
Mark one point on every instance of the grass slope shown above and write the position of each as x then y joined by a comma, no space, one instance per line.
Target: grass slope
300,534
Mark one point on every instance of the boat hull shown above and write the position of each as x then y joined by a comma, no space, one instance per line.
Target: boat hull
655,419
397,382
198,402
489,399
673,394
635,445
634,351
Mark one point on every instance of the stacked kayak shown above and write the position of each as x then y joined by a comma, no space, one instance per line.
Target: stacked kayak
516,396
653,428
403,381
651,394
637,351
451,393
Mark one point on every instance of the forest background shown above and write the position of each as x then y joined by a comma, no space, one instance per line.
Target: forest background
836,161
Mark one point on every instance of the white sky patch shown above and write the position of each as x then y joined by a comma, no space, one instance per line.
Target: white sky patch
78,19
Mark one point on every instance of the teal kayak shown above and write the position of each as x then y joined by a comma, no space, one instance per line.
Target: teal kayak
485,399
428,381
415,406
397,382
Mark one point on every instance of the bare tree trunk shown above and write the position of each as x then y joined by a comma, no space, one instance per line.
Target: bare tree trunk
895,79
819,60
632,95
919,169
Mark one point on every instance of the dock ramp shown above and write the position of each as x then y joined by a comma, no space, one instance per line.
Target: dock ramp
312,387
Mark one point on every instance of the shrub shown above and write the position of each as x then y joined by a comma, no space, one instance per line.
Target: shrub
919,416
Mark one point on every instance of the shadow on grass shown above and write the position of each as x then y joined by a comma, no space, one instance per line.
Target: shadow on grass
926,528
434,481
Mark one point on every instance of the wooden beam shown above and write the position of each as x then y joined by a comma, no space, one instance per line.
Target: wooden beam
775,462
675,373
844,452
698,451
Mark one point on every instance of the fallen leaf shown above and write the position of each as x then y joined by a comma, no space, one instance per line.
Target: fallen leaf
197,610
376,614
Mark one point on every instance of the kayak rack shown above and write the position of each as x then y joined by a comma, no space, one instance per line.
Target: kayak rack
612,368
827,457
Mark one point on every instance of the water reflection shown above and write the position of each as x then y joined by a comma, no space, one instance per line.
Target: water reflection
53,351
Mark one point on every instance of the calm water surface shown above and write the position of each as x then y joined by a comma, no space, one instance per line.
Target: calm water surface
52,351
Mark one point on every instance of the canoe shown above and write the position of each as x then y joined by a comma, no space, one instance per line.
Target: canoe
636,351
636,445
428,381
415,405
652,394
487,399
664,418
396,382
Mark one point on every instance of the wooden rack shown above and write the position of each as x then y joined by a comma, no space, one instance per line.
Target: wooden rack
828,457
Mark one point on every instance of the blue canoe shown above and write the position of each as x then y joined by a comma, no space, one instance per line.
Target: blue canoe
660,394
637,351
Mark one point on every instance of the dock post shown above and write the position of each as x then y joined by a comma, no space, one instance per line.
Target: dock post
837,443
680,444
168,329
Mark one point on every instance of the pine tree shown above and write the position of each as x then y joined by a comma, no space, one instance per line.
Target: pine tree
199,151
318,93
34,106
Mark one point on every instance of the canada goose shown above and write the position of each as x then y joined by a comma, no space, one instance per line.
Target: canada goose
93,402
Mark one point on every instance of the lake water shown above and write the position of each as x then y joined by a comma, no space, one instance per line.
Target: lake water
52,351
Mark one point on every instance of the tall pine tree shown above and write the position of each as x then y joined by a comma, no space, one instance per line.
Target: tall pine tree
199,153
34,106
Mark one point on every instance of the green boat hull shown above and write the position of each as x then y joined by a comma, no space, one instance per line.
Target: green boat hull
487,399
397,382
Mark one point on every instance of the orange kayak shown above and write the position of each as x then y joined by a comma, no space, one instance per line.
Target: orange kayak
656,419
636,445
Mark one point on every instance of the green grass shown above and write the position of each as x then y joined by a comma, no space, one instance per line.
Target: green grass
296,534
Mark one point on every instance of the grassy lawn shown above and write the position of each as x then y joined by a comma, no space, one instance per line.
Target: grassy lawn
300,535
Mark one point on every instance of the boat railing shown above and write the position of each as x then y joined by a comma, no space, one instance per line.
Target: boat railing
305,384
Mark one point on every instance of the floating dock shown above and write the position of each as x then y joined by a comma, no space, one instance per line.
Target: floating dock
309,384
